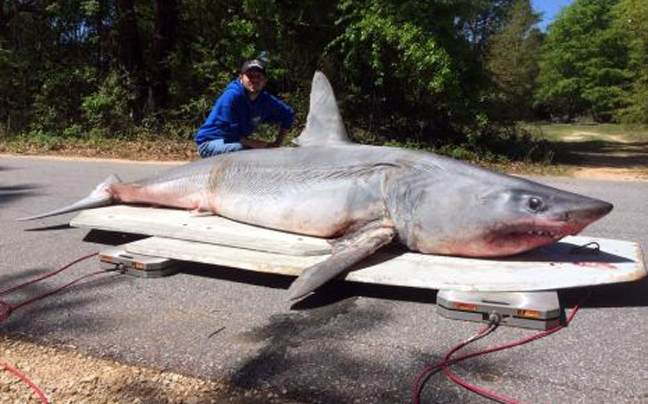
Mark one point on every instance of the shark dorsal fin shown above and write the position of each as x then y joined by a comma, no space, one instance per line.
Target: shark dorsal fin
324,124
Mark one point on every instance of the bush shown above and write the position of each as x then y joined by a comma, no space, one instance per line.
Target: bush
106,110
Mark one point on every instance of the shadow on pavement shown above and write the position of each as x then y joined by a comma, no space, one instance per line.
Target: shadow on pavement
628,294
12,193
69,311
598,153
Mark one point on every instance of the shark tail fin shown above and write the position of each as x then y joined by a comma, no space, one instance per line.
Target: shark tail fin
100,196
324,124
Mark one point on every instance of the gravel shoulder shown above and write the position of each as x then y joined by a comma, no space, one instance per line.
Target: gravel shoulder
67,376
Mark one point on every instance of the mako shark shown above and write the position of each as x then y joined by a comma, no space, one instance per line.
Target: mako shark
362,197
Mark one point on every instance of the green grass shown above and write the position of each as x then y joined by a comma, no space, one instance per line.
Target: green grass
560,132
161,149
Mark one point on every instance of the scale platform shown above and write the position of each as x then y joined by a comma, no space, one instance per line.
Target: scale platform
143,266
535,310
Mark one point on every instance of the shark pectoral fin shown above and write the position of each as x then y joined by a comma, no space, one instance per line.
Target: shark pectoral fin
100,196
361,247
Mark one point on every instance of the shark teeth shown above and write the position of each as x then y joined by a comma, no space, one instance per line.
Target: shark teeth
543,233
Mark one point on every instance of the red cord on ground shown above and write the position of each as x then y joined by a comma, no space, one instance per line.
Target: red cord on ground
429,370
24,379
448,361
490,394
7,309
47,275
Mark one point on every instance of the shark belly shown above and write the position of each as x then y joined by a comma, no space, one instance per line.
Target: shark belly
290,198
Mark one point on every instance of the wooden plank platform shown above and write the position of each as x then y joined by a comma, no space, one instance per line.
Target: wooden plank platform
183,225
207,240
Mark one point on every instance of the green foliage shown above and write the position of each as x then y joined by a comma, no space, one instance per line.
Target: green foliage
400,65
377,37
583,62
441,75
106,110
631,24
41,140
493,144
13,108
513,62
58,101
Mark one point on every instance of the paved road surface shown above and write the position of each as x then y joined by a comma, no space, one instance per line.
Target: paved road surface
351,344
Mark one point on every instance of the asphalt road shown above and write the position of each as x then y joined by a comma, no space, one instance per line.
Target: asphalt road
348,344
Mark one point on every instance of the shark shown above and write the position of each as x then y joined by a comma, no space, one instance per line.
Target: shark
361,197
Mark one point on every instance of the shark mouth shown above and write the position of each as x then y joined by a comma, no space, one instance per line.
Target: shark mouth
519,239
543,233
506,240
528,239
503,242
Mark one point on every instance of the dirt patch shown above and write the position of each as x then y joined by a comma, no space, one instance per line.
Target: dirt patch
159,150
603,156
611,173
580,136
69,377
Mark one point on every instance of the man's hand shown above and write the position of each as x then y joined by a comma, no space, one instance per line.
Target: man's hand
281,135
253,143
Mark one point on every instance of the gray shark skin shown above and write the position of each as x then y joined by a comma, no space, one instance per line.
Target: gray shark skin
363,197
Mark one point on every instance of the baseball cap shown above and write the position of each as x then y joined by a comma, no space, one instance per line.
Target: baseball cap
253,64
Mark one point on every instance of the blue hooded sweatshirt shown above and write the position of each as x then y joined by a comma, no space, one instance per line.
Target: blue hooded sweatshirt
235,115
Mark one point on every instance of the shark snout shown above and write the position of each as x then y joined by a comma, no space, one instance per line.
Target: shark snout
597,209
586,213
605,208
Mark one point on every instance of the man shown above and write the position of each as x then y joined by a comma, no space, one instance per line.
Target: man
239,110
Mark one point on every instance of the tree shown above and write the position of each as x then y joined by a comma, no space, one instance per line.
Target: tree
480,19
410,70
130,56
406,68
163,40
582,64
513,61
631,23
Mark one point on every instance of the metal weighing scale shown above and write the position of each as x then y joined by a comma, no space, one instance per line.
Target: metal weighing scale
536,310
144,266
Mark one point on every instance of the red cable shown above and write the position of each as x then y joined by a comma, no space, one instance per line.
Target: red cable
35,389
431,369
490,394
67,285
6,309
47,275
447,361
516,343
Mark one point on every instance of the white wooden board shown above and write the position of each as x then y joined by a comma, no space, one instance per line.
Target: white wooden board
183,225
548,269
215,240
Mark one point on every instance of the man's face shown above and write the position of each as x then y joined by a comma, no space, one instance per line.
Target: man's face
254,81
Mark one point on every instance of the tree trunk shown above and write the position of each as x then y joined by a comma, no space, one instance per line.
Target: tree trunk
130,54
3,24
165,25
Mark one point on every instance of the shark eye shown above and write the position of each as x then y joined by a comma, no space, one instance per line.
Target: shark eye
535,204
